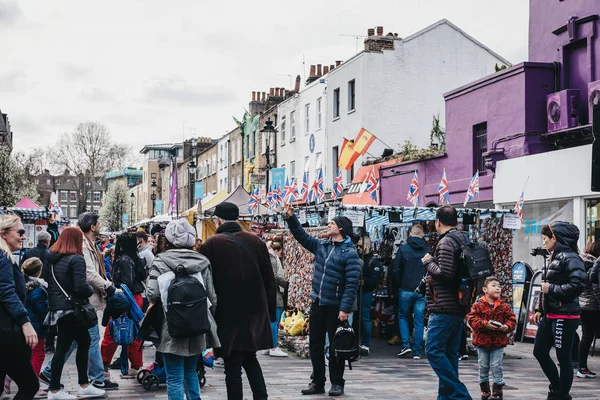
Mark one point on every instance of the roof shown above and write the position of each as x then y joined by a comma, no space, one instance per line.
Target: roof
124,172
163,146
70,185
26,202
465,34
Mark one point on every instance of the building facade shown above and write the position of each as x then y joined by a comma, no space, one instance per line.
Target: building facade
223,163
6,134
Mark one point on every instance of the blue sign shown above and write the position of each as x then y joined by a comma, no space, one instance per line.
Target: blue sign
198,191
518,273
125,219
311,143
278,177
158,207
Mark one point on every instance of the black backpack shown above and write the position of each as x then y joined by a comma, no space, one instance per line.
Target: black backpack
187,306
474,266
345,344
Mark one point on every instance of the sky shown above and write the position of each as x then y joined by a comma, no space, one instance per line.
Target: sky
157,72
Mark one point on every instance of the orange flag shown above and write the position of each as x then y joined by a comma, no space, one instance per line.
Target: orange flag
347,155
363,141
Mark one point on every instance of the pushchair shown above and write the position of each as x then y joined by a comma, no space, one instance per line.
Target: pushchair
152,377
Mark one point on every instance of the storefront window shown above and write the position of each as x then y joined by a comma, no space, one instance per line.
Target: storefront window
592,210
535,216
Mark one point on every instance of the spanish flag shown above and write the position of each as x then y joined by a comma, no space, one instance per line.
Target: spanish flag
347,155
363,141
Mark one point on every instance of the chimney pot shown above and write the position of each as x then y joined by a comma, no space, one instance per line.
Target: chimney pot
297,87
331,67
319,71
253,96
272,92
277,90
338,63
282,93
380,31
312,71
264,96
325,70
371,32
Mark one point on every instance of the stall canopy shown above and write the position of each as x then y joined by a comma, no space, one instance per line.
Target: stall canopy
240,198
162,218
29,209
26,202
207,202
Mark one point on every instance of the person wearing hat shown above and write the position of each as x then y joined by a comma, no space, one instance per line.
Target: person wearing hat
334,288
246,299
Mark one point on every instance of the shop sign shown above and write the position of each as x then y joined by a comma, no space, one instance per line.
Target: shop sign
512,221
258,178
331,214
357,217
302,216
29,236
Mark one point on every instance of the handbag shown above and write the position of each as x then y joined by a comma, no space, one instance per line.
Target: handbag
85,314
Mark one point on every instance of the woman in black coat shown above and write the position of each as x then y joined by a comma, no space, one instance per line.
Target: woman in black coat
558,317
17,335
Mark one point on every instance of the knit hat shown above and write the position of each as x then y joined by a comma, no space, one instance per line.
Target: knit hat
180,233
227,211
345,224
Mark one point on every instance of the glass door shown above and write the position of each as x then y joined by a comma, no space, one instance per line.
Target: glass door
591,220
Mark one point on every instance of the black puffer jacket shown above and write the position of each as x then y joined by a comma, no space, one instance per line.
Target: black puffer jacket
566,272
13,313
70,273
124,272
590,298
372,272
444,280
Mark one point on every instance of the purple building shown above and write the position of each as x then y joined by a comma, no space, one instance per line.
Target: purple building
527,123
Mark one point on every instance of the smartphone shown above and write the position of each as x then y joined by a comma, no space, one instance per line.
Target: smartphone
496,323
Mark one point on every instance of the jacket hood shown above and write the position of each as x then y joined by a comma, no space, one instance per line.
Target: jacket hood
588,258
416,243
566,235
33,283
192,261
144,249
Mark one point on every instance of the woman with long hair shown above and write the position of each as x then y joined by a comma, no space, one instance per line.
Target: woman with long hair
17,335
558,315
589,302
67,272
125,267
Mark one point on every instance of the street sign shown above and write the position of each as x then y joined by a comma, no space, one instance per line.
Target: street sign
258,178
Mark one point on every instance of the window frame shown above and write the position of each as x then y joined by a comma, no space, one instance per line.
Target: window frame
480,133
306,118
282,132
319,113
336,104
292,126
351,95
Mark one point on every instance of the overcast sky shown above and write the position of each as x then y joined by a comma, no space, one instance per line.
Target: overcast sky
154,71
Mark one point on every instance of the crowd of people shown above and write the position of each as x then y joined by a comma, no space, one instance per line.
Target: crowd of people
233,288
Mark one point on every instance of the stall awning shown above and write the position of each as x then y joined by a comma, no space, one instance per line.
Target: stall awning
30,213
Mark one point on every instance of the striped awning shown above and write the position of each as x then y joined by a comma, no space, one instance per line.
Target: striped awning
30,213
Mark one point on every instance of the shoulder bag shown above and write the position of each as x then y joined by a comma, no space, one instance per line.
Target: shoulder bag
85,314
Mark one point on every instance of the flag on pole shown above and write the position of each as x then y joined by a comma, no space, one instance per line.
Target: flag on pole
520,204
277,197
413,190
289,194
347,155
305,187
270,196
317,188
253,201
444,190
373,186
173,188
473,189
338,187
363,140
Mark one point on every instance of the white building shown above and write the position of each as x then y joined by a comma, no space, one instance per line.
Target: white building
223,162
393,89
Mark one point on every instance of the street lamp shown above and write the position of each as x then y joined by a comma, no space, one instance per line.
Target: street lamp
192,167
153,197
132,196
268,129
121,207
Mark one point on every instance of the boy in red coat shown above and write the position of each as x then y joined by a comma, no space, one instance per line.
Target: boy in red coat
491,320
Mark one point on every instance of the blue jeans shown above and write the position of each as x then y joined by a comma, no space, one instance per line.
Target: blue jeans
327,344
443,340
490,359
365,317
411,304
275,326
182,377
95,366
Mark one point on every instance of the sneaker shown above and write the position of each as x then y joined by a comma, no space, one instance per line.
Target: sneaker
41,394
463,357
7,381
132,374
405,352
277,352
89,392
106,385
417,357
61,395
395,340
364,350
585,373
265,352
336,390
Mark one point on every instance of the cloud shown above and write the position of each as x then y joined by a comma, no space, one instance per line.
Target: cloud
13,81
10,12
176,90
70,71
95,95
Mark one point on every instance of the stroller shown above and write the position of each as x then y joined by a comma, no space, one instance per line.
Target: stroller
152,377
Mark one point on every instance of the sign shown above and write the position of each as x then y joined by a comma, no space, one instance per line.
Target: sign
125,219
518,278
357,218
302,216
158,207
198,191
258,178
311,143
331,214
518,273
511,221
535,294
278,178
29,236
356,192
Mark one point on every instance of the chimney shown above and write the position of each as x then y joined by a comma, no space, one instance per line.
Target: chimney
282,92
331,67
338,63
277,92
264,96
312,71
253,96
313,75
319,71
379,42
297,87
271,92
325,70
380,31
370,32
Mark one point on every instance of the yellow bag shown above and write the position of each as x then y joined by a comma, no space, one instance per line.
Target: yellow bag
297,328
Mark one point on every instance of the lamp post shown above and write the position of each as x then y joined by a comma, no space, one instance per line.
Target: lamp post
132,196
153,197
192,169
121,210
268,129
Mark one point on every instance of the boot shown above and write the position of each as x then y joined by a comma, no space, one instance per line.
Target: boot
313,388
485,390
553,394
497,392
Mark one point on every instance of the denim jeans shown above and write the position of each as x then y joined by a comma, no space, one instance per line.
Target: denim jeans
443,341
490,359
275,326
327,343
95,366
182,377
365,318
411,304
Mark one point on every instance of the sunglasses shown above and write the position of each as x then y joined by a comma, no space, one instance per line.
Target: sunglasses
21,232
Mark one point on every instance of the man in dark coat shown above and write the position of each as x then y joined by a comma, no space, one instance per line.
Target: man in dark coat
246,299
41,250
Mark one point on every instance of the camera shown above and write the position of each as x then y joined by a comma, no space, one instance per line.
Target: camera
540,251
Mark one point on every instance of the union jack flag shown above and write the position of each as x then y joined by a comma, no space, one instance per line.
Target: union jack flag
270,197
305,187
413,190
373,186
253,201
473,189
276,197
289,192
520,204
444,190
317,193
338,187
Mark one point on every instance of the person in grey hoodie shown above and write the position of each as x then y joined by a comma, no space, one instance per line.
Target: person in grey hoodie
181,355
144,248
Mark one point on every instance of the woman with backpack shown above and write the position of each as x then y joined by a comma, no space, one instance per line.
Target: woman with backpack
182,353
17,335
558,314
128,269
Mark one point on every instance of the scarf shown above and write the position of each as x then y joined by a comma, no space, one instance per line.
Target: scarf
101,268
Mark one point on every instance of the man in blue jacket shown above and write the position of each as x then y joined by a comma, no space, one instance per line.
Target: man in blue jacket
334,287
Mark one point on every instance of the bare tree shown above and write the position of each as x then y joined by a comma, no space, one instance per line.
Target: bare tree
35,161
14,183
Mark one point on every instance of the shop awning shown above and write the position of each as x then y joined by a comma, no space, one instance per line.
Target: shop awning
26,202
30,213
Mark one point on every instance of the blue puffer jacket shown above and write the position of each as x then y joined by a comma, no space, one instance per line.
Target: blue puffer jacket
12,296
337,268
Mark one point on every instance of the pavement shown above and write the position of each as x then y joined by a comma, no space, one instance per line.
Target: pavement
379,376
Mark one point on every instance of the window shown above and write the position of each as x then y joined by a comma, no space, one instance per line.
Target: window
214,164
318,162
64,211
319,113
220,184
98,196
153,175
239,180
225,183
282,130
225,159
234,152
48,181
306,161
293,125
307,118
73,196
292,169
335,158
336,103
88,196
221,159
73,212
479,147
63,196
351,95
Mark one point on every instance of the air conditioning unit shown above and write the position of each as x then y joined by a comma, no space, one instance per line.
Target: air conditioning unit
593,97
562,110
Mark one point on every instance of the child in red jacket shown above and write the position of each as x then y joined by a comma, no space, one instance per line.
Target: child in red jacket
491,320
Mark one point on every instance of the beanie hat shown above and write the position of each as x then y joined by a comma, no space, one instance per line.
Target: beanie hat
227,211
345,224
180,233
